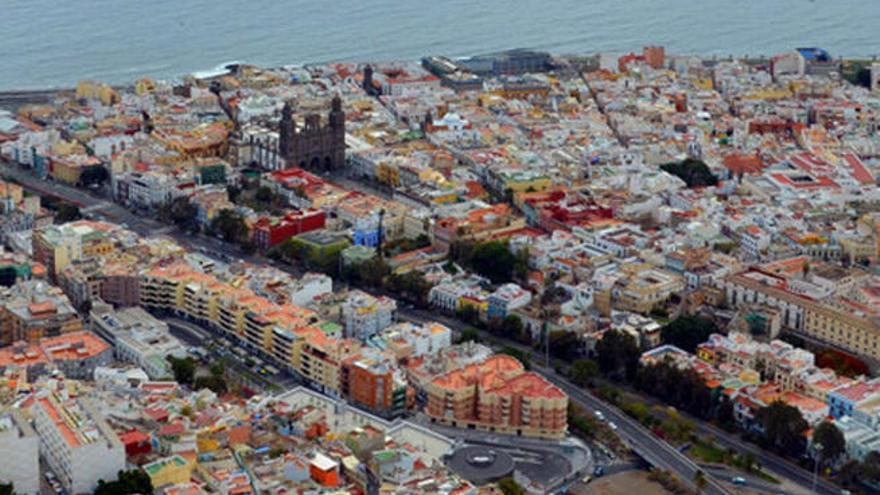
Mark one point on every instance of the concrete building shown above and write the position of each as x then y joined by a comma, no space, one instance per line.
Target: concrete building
20,464
365,315
137,338
507,298
77,443
498,395
33,309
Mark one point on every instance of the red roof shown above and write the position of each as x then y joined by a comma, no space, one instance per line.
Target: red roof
858,170
743,164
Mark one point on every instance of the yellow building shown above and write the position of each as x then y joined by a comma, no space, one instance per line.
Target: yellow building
167,471
387,173
519,183
97,91
844,329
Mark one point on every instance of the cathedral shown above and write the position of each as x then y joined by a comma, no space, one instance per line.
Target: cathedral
315,146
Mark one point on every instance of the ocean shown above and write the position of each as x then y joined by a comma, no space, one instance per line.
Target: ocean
54,43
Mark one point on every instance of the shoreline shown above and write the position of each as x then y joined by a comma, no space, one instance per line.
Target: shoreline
45,92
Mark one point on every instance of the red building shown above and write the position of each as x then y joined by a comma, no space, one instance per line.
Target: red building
561,210
135,442
269,232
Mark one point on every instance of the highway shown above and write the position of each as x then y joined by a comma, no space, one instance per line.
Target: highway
645,442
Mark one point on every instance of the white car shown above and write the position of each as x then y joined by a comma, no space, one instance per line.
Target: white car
599,415
612,426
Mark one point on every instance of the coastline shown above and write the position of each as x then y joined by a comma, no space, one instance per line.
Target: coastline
43,94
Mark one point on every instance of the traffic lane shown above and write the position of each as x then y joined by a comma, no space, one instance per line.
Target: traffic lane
656,451
771,462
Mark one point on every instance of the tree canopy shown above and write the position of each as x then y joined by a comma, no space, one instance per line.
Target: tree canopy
184,369
583,371
784,428
230,226
832,441
493,260
94,175
127,483
8,276
509,486
67,212
693,172
618,355
687,332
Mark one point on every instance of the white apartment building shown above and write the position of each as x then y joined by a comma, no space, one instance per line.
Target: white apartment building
311,286
366,315
77,443
137,338
20,462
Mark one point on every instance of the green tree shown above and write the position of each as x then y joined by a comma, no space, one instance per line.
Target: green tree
265,194
618,355
412,286
784,428
583,371
724,414
520,356
832,441
565,345
373,272
217,368
695,173
509,486
215,383
8,276
184,369
127,483
687,332
469,334
180,212
494,261
94,175
469,315
512,327
230,226
7,489
67,212
233,193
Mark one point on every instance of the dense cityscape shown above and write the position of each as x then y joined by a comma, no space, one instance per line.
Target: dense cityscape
506,274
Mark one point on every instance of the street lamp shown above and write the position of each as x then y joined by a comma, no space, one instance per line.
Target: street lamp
817,453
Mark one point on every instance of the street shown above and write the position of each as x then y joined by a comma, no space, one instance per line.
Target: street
644,442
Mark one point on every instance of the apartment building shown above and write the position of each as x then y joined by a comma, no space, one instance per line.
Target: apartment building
57,246
498,395
33,309
366,315
20,464
77,443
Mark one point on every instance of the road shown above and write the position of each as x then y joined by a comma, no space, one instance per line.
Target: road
656,450
195,335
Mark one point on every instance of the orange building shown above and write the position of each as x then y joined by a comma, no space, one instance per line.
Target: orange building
498,395
369,379
324,470
655,56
